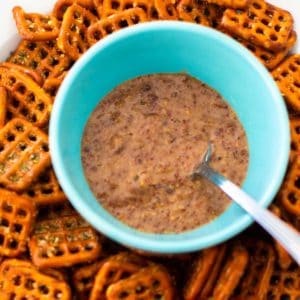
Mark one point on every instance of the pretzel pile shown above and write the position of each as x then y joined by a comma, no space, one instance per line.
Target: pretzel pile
47,251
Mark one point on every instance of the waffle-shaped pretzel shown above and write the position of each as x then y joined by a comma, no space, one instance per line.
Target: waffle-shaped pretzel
231,273
62,239
261,23
295,137
61,6
283,258
152,282
114,23
28,100
98,6
287,77
236,4
115,268
285,284
270,58
166,9
20,280
35,27
45,58
52,85
72,37
83,279
3,105
45,190
33,74
200,272
289,195
16,216
24,154
255,282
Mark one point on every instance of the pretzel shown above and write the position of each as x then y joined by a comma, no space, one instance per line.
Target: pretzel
20,280
236,4
16,217
45,58
166,9
24,154
3,105
72,38
284,260
98,6
289,195
62,239
83,279
114,23
61,6
295,137
115,268
201,270
35,27
270,58
34,75
255,282
152,282
287,77
231,273
52,85
45,190
28,100
261,23
284,284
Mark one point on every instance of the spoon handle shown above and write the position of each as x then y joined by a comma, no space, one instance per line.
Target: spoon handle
283,233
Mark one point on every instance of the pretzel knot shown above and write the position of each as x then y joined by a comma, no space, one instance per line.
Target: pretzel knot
287,77
20,280
35,27
114,23
261,23
72,38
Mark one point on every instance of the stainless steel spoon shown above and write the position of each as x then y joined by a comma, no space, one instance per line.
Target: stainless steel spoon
283,233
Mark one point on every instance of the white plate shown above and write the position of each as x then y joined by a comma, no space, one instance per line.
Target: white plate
9,37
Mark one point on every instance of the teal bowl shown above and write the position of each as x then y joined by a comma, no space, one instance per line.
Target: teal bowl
165,47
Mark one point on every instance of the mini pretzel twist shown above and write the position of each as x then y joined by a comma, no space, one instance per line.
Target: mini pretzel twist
28,100
35,27
61,238
114,23
17,215
20,280
72,38
24,154
287,77
261,23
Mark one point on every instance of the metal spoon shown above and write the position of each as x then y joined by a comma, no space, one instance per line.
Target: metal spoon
278,229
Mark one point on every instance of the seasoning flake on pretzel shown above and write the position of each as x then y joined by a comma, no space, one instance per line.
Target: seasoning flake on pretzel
84,277
113,23
61,238
231,273
287,77
45,189
4,98
24,154
61,6
45,58
255,282
200,272
261,23
20,280
27,99
17,215
236,4
34,26
152,282
72,37
115,268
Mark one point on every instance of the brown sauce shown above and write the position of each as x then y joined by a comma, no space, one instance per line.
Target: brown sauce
143,141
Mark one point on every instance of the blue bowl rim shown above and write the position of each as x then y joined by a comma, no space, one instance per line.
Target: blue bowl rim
146,242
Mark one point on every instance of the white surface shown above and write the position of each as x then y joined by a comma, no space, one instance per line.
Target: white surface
9,36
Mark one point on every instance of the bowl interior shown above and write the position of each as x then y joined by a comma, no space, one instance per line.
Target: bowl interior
164,47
